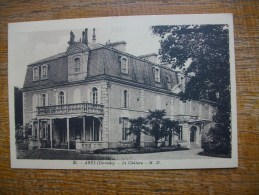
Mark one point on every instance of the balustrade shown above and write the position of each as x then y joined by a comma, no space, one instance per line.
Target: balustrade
65,109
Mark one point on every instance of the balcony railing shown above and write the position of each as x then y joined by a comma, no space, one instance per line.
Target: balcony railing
65,109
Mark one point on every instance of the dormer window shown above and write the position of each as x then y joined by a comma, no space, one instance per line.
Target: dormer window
124,64
77,64
35,73
156,72
44,71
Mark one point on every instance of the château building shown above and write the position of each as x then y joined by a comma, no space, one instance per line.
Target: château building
83,98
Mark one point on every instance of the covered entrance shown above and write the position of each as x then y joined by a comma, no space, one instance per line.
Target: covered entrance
193,132
68,126
64,133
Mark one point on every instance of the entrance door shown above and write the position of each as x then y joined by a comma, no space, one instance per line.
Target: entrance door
193,134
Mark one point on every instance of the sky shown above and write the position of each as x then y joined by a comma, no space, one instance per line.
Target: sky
36,45
32,41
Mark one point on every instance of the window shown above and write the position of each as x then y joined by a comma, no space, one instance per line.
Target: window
124,65
77,64
44,72
61,98
44,130
125,99
180,135
156,72
43,100
35,73
95,95
125,123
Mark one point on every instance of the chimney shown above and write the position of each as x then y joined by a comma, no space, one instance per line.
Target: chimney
94,36
150,57
83,36
86,36
120,45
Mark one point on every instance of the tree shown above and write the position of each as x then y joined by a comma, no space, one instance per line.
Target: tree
171,127
156,120
18,106
137,126
206,47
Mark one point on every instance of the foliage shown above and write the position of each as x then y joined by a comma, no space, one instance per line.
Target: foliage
156,120
138,150
21,136
18,106
206,47
58,155
137,126
22,132
171,127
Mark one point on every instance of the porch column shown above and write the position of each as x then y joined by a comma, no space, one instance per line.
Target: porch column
83,128
32,130
68,133
46,129
93,130
50,126
38,133
100,132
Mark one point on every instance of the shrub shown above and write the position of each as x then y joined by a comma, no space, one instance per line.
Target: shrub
23,145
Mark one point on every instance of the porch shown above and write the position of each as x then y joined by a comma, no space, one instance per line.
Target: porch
69,126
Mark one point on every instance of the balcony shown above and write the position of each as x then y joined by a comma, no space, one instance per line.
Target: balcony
67,109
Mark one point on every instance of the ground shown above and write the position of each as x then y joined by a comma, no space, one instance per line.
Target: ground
170,155
73,155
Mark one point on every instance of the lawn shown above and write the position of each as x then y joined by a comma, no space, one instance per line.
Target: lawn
46,154
121,150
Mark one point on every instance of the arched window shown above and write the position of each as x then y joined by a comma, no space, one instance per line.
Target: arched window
44,72
95,95
124,65
77,64
43,100
125,99
61,98
35,73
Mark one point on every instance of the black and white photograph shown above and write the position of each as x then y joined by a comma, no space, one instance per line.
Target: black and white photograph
136,92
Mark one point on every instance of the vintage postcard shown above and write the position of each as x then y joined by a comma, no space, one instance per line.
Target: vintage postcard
137,92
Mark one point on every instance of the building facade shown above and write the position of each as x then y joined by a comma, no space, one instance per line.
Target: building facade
83,98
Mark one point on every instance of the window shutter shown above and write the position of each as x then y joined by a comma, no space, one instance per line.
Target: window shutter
128,100
56,98
47,99
121,98
65,97
158,75
99,95
127,66
91,96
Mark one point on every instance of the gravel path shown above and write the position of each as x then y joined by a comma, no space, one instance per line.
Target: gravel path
171,155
